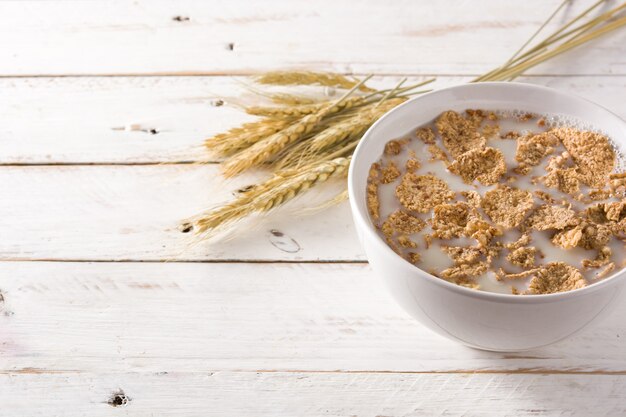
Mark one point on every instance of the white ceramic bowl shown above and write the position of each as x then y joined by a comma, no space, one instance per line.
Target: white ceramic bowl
479,319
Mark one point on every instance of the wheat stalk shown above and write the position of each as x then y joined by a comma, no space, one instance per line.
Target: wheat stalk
519,69
328,79
570,39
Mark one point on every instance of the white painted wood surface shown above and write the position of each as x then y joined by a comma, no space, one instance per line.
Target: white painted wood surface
280,394
152,317
102,296
244,36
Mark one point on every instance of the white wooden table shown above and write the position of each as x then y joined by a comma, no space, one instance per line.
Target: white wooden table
95,322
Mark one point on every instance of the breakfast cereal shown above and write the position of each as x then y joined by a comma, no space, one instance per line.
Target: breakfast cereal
537,209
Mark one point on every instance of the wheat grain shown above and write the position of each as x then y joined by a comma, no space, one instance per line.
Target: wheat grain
239,138
297,111
291,99
309,78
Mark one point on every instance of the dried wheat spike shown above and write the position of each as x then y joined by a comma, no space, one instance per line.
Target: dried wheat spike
309,78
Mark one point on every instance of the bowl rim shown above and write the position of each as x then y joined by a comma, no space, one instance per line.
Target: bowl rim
361,217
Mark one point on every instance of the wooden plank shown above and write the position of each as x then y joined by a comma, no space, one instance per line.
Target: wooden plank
213,37
138,317
134,213
224,394
86,125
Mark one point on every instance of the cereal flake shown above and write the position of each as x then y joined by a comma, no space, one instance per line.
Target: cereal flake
459,134
592,152
603,257
373,203
406,242
472,198
414,257
463,254
450,220
547,217
426,135
556,277
531,149
507,206
484,165
422,192
481,230
464,271
394,147
412,163
437,154
390,173
524,257
402,222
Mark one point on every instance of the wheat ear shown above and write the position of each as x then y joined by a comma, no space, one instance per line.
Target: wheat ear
288,111
309,78
353,126
269,147
282,187
291,99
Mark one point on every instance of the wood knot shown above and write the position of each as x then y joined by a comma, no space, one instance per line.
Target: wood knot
186,227
180,18
118,399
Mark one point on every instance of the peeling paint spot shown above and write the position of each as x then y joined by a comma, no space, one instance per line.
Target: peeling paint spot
283,242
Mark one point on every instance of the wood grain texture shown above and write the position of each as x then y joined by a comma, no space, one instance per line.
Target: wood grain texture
303,337
215,37
81,119
226,394
145,317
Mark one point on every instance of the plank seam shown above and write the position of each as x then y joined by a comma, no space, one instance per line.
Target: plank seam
523,371
104,163
195,261
247,74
